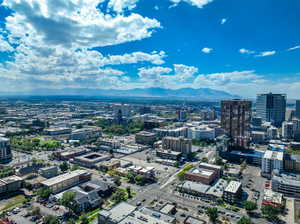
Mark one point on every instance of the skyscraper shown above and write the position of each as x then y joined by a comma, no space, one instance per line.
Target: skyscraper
271,108
5,151
236,120
297,112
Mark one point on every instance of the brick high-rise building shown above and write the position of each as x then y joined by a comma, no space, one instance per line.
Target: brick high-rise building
236,121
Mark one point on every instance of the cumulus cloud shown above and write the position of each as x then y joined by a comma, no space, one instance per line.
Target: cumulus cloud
266,53
120,5
74,23
224,20
293,48
246,51
4,45
206,50
54,42
182,75
197,3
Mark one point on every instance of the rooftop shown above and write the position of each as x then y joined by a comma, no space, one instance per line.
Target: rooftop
233,186
119,212
63,177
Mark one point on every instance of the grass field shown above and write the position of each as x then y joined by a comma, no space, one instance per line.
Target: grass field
14,202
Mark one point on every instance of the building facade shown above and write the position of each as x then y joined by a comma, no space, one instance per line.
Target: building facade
236,121
5,151
271,108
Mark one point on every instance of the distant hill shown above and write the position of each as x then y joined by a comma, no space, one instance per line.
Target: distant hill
184,93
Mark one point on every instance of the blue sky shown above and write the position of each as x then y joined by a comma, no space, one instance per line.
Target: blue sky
242,47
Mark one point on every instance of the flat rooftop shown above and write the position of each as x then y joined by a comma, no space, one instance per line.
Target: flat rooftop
201,172
55,180
233,186
119,212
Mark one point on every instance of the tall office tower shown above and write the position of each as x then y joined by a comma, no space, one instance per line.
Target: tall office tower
181,115
297,112
287,130
5,151
236,120
296,129
271,108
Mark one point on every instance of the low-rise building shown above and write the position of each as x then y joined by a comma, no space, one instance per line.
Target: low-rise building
90,160
49,172
10,184
86,133
273,198
109,165
145,138
216,168
67,180
168,154
193,220
202,175
232,192
286,183
57,131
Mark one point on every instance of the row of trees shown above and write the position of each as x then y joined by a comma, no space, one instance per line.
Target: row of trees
212,213
122,129
34,144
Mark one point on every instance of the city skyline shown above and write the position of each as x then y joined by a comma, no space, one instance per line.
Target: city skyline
243,48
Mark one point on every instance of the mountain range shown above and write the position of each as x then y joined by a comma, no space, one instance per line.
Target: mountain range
183,93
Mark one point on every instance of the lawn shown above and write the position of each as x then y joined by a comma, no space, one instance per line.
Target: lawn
14,202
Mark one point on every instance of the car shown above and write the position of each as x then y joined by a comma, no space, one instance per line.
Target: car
33,218
138,203
143,200
182,215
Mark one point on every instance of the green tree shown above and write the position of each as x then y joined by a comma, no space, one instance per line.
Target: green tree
244,220
140,180
44,193
68,200
204,160
84,219
250,206
119,195
270,212
181,175
212,213
64,166
130,177
36,211
219,161
128,190
51,219
117,181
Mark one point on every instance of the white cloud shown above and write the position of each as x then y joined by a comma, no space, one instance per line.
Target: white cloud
206,50
224,20
74,23
182,76
154,58
120,5
293,48
197,3
246,51
266,53
5,46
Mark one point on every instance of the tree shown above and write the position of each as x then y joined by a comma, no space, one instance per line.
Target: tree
51,219
204,159
128,190
117,181
119,195
250,206
84,219
181,175
212,213
244,220
139,180
44,193
148,159
130,177
64,166
36,211
270,212
219,161
68,200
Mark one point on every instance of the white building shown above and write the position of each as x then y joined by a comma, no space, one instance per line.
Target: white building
201,132
272,160
287,130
